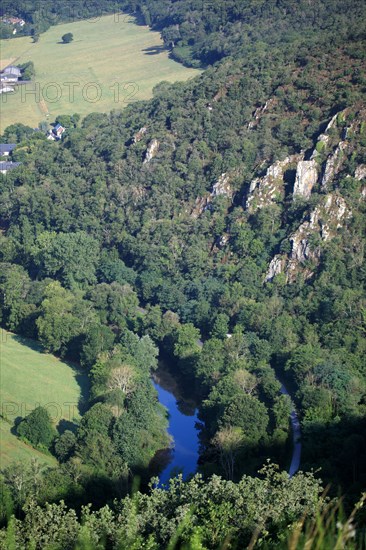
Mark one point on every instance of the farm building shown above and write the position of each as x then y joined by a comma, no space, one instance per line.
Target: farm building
6,149
10,74
9,77
11,69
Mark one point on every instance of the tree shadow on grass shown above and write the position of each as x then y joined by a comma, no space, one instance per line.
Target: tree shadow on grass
154,50
14,428
29,343
64,425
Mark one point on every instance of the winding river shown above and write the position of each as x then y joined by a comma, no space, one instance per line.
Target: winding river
183,455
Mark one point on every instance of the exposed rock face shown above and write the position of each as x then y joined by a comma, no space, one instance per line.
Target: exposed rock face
323,221
200,205
325,138
306,178
322,139
333,163
276,266
222,187
152,150
264,190
139,135
335,142
360,172
340,140
300,250
332,122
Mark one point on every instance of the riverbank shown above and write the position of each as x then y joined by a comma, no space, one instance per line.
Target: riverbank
181,407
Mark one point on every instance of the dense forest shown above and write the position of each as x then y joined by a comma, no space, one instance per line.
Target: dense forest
230,205
201,32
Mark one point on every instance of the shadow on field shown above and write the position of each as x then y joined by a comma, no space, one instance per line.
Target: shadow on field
14,428
154,50
84,384
29,343
64,425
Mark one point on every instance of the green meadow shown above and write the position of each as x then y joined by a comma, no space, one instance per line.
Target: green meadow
110,63
30,377
14,450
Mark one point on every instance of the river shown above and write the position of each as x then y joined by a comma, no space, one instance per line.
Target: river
183,456
296,436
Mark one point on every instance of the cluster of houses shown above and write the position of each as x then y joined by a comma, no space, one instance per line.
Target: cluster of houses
15,22
6,149
5,152
9,78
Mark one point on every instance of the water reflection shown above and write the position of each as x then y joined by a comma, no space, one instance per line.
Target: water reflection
182,457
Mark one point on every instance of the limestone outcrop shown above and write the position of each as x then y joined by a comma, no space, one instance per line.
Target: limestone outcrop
139,135
333,163
152,150
276,266
339,141
324,221
306,178
259,112
360,172
263,191
222,187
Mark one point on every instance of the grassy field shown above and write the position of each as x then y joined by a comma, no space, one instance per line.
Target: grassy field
110,63
30,377
12,449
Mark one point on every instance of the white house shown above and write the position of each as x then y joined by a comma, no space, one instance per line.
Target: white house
12,69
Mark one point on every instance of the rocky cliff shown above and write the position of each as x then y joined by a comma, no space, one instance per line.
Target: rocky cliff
152,150
327,217
332,162
306,178
271,187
